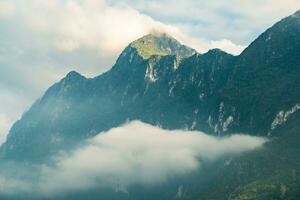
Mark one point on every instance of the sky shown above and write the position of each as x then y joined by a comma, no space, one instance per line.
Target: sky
40,41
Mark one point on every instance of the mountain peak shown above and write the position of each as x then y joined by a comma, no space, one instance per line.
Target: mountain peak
214,51
73,76
160,44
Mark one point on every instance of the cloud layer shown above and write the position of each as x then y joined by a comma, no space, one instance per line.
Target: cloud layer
135,153
234,20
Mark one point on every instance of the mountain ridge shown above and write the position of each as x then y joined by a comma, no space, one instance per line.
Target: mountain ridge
202,88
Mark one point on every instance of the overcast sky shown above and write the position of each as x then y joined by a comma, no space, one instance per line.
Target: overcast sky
40,41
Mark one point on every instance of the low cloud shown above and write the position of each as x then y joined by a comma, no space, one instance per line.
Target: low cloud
135,153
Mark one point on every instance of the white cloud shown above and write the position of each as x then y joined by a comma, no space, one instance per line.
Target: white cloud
135,153
235,20
5,124
228,46
203,45
7,8
99,26
89,24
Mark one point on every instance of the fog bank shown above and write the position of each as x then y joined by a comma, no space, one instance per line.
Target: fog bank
135,153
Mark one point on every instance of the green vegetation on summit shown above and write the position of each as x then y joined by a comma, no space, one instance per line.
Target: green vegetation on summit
160,44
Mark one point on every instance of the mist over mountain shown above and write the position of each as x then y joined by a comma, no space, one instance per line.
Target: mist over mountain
121,158
163,83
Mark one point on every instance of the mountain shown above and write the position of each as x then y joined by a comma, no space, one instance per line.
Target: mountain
266,78
162,82
77,108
